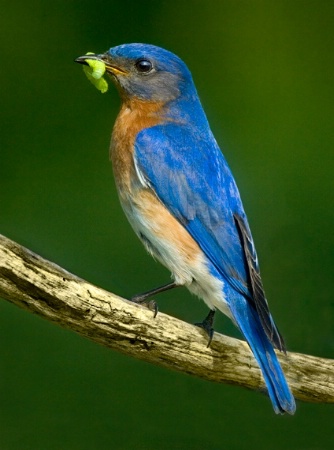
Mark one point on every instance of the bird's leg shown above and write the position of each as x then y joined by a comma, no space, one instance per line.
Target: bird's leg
207,325
141,299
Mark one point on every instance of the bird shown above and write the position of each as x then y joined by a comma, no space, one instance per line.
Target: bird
181,199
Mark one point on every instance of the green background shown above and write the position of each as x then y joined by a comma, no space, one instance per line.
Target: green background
264,71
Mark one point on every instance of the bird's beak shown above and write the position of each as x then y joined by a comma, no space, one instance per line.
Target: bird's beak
110,67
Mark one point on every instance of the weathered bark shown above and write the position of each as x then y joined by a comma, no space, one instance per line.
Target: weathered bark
41,287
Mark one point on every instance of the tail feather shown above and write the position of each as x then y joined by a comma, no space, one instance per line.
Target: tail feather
278,389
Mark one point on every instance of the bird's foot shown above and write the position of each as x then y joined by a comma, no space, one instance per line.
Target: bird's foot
144,301
207,325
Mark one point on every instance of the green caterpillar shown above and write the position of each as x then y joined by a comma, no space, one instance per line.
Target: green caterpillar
94,71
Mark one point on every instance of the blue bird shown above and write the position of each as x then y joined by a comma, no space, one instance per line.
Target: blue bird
181,199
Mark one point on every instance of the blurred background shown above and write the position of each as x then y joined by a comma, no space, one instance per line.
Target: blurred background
264,71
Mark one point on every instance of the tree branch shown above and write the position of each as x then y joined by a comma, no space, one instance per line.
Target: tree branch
41,287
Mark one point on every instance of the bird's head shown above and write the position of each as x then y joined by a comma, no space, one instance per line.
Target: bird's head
146,72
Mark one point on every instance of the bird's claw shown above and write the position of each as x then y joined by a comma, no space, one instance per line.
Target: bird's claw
149,304
207,325
142,299
209,331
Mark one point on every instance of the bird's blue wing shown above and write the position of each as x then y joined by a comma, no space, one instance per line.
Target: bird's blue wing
193,181
190,176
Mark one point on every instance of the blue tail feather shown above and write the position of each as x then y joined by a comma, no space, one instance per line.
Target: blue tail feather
249,323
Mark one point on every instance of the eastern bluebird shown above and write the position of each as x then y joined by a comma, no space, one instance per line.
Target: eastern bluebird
181,199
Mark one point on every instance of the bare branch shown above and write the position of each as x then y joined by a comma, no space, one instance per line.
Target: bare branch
41,287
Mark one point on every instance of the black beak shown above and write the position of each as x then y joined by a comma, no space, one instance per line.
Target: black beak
83,59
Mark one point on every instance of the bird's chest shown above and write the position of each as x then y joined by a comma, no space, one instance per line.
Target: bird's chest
122,154
134,117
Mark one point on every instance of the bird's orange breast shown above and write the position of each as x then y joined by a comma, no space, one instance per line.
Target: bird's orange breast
134,116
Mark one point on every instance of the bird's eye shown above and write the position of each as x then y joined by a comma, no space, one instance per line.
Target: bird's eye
144,66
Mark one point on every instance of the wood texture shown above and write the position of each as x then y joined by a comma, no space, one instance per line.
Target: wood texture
43,288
